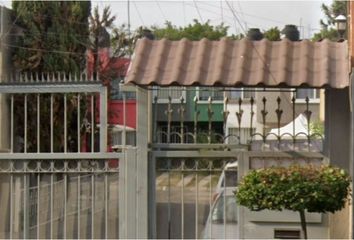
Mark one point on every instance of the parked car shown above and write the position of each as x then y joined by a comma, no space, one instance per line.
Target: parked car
228,178
222,219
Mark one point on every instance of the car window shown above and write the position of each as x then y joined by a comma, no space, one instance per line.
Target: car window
230,210
231,178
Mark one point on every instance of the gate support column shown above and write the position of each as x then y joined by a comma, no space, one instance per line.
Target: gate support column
337,149
142,175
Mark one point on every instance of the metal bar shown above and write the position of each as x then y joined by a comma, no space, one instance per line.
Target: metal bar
224,199
51,124
78,203
124,121
78,122
182,202
25,126
38,123
92,124
103,120
105,206
169,118
11,203
122,197
210,200
169,198
51,201
189,146
196,201
51,88
293,102
24,206
210,116
38,203
196,114
65,125
12,125
181,111
193,154
251,118
65,203
92,205
69,156
154,120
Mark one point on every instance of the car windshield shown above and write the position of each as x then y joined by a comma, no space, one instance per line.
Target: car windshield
230,210
231,178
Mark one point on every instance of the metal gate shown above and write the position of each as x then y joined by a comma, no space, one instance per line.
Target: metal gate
58,179
200,150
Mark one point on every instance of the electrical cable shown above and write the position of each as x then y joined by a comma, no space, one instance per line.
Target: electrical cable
139,15
162,14
197,8
257,52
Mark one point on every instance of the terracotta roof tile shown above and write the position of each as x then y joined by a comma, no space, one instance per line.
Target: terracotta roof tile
232,63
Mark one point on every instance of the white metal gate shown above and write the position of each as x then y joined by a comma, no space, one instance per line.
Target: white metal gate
58,180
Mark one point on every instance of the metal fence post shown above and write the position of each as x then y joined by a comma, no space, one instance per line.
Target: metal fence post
243,168
103,119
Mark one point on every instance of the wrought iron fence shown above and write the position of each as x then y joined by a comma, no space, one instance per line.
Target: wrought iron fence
76,198
263,113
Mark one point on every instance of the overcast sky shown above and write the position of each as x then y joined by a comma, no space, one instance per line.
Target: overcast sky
249,14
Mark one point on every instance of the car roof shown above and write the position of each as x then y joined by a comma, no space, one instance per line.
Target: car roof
231,165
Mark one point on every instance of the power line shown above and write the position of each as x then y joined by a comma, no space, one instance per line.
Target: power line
196,6
44,50
256,50
139,15
163,15
216,13
246,14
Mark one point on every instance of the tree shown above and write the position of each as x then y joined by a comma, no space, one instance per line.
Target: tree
55,39
331,12
55,35
297,188
98,32
194,31
272,34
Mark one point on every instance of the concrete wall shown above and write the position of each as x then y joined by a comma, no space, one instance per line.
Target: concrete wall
337,148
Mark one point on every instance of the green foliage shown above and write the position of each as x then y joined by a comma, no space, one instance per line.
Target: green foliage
55,35
272,34
297,188
55,38
317,128
194,31
331,12
331,34
328,25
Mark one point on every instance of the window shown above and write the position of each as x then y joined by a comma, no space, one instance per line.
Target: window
116,94
311,93
217,94
243,93
117,138
230,209
175,93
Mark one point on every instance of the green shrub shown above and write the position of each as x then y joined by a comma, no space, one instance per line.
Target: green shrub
297,188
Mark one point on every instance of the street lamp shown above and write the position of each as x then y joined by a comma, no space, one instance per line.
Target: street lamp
341,24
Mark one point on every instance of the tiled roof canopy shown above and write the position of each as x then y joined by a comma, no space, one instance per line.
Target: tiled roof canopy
231,63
